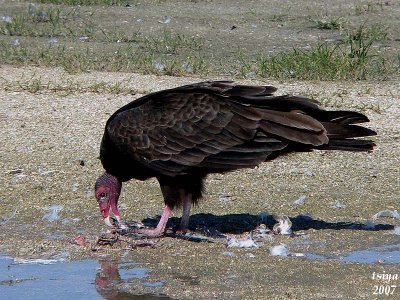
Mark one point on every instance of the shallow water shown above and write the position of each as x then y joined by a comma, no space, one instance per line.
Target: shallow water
388,254
85,279
111,279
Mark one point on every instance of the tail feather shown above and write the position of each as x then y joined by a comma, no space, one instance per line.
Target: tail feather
299,120
340,131
344,117
348,145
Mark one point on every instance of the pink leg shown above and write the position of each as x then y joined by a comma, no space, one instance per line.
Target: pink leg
186,205
159,230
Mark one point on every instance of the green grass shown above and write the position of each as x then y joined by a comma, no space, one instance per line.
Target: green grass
171,43
125,58
77,41
329,23
319,63
66,37
36,85
353,58
55,22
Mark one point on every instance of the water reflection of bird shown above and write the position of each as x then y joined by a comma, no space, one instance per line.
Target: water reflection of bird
181,135
107,277
110,284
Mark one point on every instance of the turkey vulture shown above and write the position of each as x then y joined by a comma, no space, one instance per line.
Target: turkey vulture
181,135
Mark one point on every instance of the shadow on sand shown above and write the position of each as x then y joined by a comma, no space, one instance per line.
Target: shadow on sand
240,223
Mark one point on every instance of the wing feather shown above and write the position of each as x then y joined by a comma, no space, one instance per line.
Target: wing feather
206,126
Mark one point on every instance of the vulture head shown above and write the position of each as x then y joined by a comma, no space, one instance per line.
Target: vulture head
107,191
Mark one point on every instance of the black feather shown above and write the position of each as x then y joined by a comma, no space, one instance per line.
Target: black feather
181,135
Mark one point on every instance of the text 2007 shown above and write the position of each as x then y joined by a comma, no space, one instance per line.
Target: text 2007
384,289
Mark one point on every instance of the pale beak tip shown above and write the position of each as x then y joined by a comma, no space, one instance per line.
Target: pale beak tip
119,223
108,221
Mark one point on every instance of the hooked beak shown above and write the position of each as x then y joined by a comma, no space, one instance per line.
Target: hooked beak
105,212
105,209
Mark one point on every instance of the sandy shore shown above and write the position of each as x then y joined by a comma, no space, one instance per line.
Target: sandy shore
48,161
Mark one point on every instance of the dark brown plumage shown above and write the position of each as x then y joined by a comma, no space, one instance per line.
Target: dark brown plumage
181,135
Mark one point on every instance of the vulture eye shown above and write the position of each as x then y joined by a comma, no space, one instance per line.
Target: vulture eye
103,196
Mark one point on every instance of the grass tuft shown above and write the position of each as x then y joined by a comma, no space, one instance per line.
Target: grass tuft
36,85
353,58
329,23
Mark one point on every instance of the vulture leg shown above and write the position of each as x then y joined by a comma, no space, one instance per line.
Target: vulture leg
159,230
186,205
